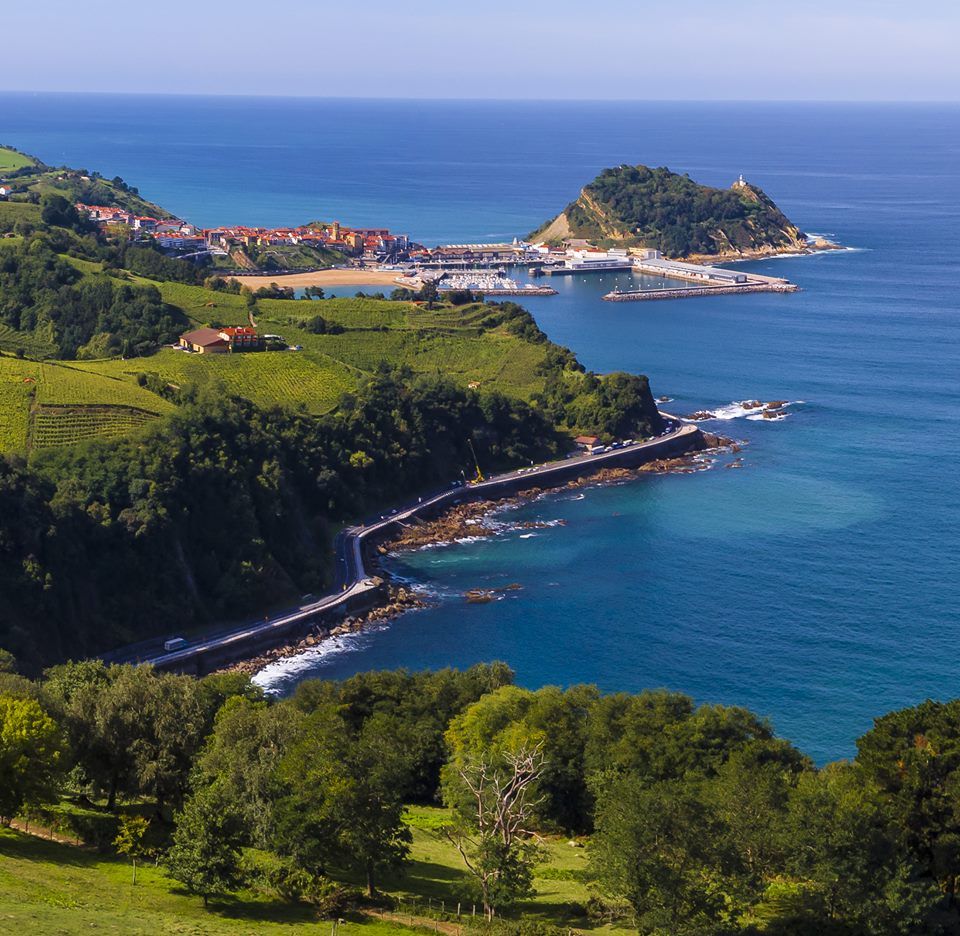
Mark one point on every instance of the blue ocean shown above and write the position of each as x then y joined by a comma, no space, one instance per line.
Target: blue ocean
816,584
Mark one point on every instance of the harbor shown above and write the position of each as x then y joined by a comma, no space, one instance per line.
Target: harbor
481,282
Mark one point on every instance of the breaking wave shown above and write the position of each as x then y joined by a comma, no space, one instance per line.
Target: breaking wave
748,409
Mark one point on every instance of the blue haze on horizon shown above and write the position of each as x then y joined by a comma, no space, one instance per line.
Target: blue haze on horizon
746,50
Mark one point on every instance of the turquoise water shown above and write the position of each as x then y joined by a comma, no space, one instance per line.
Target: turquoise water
817,584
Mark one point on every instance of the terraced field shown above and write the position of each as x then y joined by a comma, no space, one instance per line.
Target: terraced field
43,404
33,344
67,425
268,378
75,400
12,212
18,381
70,384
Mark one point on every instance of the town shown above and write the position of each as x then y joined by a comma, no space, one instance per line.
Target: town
481,268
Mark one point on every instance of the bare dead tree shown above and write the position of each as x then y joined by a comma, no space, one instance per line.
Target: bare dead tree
493,843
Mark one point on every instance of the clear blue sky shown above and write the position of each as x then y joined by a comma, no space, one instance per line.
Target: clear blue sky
697,49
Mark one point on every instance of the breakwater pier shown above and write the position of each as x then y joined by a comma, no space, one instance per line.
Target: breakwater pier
690,292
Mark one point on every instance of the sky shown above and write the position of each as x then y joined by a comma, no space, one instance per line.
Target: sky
867,50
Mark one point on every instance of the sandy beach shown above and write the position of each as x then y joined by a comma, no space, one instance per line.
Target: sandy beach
323,278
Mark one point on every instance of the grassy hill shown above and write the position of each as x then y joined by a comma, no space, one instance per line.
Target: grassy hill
11,160
50,888
55,403
635,206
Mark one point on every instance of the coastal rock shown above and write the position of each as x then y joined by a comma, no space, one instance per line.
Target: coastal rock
479,595
457,523
751,404
713,440
701,415
776,404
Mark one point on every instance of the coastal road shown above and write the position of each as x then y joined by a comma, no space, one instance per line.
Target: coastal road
352,585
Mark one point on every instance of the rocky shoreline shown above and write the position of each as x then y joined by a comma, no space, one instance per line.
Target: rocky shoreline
458,523
764,253
773,409
399,599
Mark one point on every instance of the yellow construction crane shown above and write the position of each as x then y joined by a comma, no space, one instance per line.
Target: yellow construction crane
476,463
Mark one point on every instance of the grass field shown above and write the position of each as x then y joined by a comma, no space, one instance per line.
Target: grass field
51,889
437,873
11,159
18,382
48,889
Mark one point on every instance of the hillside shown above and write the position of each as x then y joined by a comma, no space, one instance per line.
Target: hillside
32,180
11,160
48,887
635,206
217,482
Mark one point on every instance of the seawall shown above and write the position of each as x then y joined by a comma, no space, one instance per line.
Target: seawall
360,593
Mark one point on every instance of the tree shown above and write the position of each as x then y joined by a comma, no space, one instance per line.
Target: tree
56,210
205,855
171,722
345,795
30,755
555,720
654,847
129,840
913,756
429,293
851,857
241,757
494,837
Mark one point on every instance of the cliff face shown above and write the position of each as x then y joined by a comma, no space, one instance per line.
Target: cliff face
634,206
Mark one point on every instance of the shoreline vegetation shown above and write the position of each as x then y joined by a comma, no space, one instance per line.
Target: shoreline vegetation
458,523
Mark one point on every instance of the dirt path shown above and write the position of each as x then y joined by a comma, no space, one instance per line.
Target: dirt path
409,919
40,831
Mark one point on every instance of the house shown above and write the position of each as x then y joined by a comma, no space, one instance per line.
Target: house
587,443
205,341
6,188
242,338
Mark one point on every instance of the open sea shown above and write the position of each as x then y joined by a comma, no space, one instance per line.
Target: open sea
817,584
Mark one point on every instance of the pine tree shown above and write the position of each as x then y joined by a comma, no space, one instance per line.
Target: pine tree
205,856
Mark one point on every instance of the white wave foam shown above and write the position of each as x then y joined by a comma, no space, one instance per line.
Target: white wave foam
737,410
276,676
527,535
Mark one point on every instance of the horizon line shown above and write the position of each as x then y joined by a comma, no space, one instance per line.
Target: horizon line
477,99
